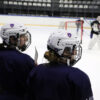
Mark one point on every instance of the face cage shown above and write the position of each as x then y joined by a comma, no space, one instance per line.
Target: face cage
73,58
27,43
78,55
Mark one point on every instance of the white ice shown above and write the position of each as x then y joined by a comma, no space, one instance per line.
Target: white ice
90,62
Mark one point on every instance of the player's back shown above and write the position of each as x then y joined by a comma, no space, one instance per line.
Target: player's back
14,69
59,82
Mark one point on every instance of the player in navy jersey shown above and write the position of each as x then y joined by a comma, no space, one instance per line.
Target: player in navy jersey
79,24
14,65
57,79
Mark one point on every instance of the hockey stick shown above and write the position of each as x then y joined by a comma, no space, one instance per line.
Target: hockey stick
36,55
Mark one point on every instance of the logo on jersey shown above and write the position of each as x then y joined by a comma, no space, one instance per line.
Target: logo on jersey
69,35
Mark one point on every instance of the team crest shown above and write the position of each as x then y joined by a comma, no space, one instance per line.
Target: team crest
69,35
12,25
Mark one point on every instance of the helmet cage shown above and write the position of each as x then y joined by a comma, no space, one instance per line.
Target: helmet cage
27,43
73,53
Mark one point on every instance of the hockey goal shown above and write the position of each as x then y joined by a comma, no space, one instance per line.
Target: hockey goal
73,27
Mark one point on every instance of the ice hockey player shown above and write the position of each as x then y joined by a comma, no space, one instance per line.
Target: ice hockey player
95,33
79,24
14,65
58,80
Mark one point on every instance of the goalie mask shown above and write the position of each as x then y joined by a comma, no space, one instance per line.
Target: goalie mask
16,35
65,46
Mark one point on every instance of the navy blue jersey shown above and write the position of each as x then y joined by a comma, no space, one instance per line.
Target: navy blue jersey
59,82
14,69
79,22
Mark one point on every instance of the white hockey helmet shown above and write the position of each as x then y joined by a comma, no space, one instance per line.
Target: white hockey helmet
61,40
98,18
16,30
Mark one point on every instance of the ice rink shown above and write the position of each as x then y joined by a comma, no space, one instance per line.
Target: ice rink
90,62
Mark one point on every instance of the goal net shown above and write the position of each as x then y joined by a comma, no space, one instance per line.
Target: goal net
73,27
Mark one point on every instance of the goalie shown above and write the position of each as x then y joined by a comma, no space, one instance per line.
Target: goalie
95,33
79,24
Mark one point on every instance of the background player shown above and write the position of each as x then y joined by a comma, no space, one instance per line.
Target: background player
79,24
95,33
14,65
58,80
